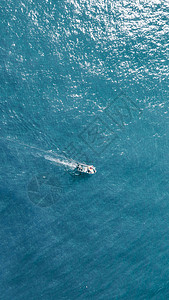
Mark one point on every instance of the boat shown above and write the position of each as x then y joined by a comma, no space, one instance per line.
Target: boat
87,169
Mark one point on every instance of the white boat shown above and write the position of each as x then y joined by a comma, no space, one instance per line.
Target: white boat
88,169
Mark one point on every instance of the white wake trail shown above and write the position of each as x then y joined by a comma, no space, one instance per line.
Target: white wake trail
70,164
50,155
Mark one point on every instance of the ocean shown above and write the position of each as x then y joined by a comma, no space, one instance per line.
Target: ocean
84,81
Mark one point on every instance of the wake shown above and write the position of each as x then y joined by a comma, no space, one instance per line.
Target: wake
50,155
68,163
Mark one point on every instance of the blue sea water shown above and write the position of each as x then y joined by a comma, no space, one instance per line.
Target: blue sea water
84,81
